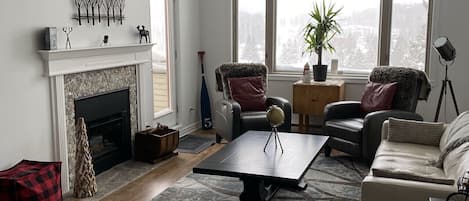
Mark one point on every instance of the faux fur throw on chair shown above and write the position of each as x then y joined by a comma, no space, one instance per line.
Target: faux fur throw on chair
413,85
403,74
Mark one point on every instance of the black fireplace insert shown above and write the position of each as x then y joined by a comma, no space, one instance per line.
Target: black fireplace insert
107,118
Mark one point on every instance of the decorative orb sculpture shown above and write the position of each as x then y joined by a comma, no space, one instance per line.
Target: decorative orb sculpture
275,116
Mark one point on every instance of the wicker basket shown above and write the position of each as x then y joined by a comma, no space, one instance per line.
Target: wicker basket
153,144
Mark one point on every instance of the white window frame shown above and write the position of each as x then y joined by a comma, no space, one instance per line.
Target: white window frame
168,116
384,38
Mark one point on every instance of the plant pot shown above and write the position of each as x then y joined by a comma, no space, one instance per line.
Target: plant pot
320,73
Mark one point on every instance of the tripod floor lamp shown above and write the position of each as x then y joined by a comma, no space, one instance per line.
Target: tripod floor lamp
447,55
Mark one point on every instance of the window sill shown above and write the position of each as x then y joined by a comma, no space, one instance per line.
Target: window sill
162,113
347,78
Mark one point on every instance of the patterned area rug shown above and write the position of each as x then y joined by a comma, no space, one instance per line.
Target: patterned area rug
335,178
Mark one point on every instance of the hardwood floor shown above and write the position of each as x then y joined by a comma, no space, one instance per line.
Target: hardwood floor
156,181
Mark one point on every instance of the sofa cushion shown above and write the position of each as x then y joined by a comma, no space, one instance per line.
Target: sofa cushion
418,132
409,169
408,161
407,150
248,92
378,96
458,128
453,145
349,129
456,162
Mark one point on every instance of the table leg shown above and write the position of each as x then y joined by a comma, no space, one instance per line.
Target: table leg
256,190
301,120
306,121
297,187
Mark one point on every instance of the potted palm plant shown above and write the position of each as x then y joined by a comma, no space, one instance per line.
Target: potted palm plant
318,34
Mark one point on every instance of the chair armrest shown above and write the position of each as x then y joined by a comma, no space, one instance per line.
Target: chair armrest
372,129
286,107
388,189
384,130
227,119
343,110
235,107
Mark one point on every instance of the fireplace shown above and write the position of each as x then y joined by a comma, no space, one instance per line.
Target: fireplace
107,118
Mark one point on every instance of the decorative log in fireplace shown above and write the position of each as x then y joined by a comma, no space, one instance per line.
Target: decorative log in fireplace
107,117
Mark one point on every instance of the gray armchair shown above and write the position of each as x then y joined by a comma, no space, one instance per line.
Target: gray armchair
230,120
358,133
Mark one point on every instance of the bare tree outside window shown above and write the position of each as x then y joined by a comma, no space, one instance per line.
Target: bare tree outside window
409,33
251,31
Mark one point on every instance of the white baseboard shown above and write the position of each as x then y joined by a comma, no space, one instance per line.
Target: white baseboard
188,129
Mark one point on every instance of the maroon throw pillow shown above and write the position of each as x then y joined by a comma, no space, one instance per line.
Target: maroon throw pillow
378,96
248,92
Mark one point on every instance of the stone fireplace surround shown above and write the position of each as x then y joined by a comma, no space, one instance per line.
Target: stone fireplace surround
81,72
78,85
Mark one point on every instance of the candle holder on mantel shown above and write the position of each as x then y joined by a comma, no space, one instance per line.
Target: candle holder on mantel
96,11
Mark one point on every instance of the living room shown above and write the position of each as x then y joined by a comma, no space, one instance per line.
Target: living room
28,123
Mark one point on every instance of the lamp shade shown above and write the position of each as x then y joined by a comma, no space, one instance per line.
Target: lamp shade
444,47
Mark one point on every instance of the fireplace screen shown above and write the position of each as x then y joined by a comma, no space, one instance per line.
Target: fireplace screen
104,136
107,118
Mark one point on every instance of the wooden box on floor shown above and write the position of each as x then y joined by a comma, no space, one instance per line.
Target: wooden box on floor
153,145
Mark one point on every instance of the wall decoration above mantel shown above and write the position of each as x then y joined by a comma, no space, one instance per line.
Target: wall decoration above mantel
97,11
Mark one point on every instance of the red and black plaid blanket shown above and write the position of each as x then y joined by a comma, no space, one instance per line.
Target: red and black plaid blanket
31,181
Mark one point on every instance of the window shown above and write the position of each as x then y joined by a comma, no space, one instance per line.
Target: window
160,59
251,31
357,47
409,33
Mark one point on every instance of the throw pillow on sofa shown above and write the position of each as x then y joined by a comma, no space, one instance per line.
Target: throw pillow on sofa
455,135
378,96
417,132
456,162
248,92
458,128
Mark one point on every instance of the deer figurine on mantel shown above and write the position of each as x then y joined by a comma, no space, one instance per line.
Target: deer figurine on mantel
144,34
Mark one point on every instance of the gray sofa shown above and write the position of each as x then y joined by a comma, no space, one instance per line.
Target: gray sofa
406,170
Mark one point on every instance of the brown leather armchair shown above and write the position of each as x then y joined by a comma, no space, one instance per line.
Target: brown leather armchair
230,120
358,133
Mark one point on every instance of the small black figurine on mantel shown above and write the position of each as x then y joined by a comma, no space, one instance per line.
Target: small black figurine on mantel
105,41
143,33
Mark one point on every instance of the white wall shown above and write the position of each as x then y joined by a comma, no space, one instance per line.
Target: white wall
449,20
25,120
215,31
188,68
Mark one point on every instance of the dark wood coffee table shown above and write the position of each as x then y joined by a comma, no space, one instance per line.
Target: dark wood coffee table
262,172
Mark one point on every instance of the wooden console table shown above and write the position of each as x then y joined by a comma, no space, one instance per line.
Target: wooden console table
311,97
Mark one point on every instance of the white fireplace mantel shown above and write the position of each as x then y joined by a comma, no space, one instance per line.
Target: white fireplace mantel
67,61
58,63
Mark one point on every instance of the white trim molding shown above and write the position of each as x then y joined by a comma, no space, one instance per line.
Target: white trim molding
68,61
191,128
58,63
